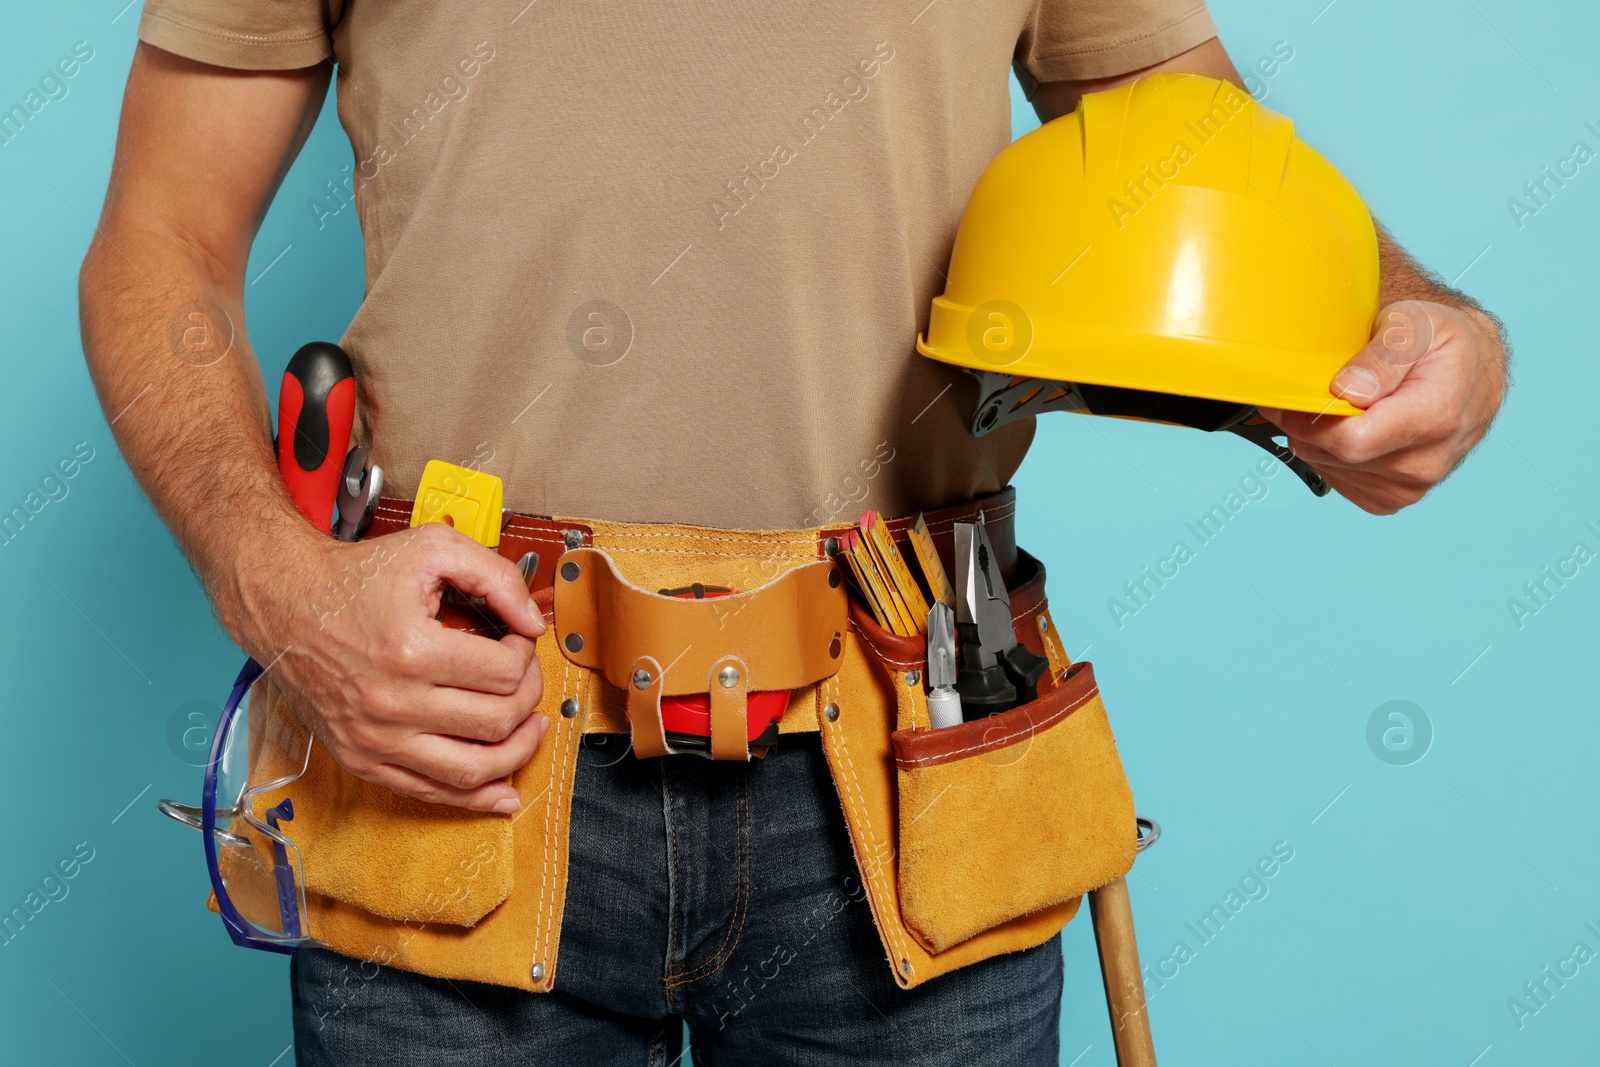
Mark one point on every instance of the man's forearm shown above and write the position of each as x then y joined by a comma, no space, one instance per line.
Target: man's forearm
166,348
200,152
1400,277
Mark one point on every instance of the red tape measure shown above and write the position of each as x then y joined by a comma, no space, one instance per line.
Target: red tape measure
688,715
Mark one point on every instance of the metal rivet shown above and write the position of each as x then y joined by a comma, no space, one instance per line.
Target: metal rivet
834,579
574,642
831,546
834,648
729,677
1044,624
536,972
573,538
905,966
569,708
913,677
570,571
641,679
831,712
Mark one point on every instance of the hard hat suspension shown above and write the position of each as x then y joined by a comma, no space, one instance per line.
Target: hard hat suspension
1004,398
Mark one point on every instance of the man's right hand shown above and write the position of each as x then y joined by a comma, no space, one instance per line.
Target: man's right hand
397,697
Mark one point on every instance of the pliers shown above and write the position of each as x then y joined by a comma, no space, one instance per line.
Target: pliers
997,673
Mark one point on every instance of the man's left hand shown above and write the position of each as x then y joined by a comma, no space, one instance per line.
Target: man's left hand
1430,381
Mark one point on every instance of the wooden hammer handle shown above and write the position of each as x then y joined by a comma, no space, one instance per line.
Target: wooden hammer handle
1112,913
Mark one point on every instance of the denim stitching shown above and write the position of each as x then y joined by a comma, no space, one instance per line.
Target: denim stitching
674,887
741,896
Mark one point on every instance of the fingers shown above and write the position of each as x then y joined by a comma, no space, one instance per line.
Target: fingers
1372,493
466,774
483,716
463,563
1403,334
457,742
495,796
463,764
461,660
1417,414
425,710
1418,379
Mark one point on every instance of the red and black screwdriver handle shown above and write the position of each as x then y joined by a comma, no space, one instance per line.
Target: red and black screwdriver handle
316,410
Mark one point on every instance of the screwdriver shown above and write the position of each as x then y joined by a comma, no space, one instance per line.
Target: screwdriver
316,410
944,703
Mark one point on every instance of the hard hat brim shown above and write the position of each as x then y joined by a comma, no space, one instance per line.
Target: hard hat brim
1209,368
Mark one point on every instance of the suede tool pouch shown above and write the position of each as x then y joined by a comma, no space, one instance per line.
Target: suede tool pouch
365,845
1003,816
1006,816
387,854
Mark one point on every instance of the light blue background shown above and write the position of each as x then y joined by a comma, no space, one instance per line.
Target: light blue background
1416,904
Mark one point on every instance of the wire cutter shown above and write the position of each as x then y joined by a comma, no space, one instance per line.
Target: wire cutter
996,673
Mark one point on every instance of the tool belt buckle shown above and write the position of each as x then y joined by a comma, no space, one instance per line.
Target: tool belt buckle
783,635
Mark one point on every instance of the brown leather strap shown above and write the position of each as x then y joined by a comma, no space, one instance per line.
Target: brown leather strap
519,535
999,517
644,708
730,722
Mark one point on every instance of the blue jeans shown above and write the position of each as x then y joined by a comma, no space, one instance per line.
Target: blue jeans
724,895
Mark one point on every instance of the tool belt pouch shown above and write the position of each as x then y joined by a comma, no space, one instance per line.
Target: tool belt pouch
1004,816
367,846
785,634
364,845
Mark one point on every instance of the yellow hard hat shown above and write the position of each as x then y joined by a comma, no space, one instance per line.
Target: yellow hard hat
1169,251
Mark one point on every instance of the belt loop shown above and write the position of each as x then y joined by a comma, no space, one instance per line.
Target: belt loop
644,708
730,711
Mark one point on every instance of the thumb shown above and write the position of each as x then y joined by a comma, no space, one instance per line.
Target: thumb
1402,335
482,572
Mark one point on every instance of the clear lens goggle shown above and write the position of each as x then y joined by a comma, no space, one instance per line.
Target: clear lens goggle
245,806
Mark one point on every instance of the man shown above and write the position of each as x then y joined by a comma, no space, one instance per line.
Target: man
651,263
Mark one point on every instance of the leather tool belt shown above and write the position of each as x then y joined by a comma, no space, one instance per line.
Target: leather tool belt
785,634
969,841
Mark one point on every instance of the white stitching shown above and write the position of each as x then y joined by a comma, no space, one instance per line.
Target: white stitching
805,541
992,743
568,767
806,558
552,815
1037,609
866,829
544,851
881,654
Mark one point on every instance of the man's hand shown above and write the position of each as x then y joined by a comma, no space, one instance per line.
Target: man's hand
1431,380
395,696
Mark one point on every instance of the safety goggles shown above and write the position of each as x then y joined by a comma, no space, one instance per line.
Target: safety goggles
255,868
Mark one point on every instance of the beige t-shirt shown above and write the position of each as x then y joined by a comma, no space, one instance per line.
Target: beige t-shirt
660,261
